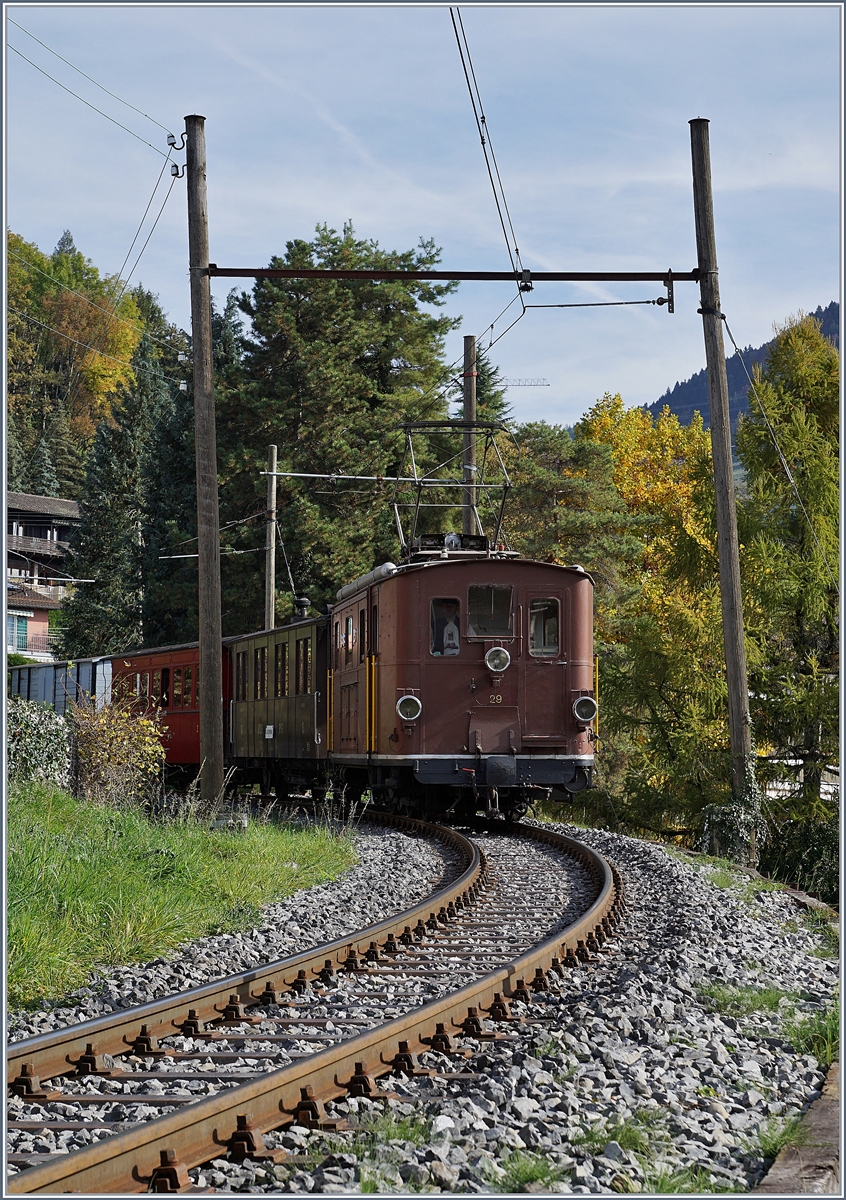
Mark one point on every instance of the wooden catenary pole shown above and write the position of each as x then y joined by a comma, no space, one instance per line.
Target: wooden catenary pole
729,558
208,519
468,511
270,543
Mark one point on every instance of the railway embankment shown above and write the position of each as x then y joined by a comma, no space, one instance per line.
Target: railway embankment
680,1058
680,1061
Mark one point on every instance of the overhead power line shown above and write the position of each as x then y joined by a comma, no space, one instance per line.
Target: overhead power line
76,96
68,63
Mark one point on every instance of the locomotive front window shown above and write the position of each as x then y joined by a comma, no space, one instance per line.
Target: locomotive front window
489,611
543,628
445,623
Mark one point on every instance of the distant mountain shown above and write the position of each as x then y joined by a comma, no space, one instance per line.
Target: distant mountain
692,396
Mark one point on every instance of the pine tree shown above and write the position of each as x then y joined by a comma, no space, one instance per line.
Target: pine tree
14,457
41,479
105,616
331,370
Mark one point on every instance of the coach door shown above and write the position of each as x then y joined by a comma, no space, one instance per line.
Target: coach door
544,669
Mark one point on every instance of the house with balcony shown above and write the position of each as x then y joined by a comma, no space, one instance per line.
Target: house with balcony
38,533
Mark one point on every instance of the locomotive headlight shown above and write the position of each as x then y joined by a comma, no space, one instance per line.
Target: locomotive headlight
584,709
409,708
497,660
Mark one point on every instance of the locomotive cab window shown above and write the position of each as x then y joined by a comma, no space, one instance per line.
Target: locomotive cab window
543,628
445,623
489,611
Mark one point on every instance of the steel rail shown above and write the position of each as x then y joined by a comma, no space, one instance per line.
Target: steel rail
198,1132
51,1054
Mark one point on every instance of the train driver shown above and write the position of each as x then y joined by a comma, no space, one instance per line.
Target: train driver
445,635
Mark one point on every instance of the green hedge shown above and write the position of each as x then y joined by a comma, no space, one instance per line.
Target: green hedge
38,743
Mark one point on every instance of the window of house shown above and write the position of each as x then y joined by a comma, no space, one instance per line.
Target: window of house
303,665
280,669
489,611
543,628
445,620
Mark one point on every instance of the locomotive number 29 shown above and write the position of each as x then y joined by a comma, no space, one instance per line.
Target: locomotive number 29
496,700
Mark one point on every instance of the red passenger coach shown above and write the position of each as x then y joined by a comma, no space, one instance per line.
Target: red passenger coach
168,679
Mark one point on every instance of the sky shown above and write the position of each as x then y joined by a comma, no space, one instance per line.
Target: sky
333,113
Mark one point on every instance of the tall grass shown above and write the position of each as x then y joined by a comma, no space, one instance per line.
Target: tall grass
91,886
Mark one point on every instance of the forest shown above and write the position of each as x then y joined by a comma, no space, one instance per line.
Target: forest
100,410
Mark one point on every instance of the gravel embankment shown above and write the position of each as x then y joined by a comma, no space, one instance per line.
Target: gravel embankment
395,871
630,1083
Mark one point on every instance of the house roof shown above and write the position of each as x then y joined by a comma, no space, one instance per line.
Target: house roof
18,595
50,506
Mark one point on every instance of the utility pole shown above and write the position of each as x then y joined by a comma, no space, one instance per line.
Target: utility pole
740,731
205,444
468,511
270,543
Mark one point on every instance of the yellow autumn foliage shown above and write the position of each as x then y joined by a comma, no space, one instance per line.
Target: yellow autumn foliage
119,752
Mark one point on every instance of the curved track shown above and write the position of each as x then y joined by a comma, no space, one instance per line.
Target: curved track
423,980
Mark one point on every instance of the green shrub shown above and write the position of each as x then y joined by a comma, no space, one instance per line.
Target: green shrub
119,751
806,854
38,743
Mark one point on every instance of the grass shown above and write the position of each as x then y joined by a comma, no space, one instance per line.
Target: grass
741,1001
377,1128
640,1134
663,1181
722,878
817,1034
777,1133
90,885
826,932
522,1168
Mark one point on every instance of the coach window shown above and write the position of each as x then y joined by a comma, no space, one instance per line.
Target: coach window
280,670
165,687
303,665
156,693
348,641
445,620
337,644
374,629
362,634
186,689
260,673
543,628
489,611
177,687
240,676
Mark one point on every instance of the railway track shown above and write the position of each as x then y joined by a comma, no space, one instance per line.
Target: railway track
205,1074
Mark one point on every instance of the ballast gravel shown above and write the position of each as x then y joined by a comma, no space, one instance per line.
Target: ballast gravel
395,871
628,1080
